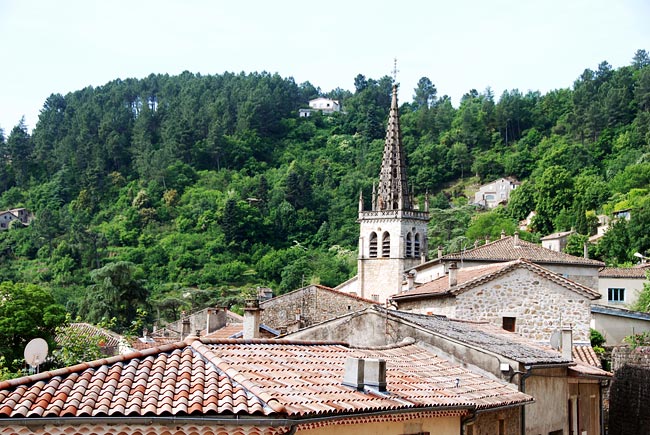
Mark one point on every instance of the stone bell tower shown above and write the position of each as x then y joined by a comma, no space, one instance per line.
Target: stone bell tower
393,234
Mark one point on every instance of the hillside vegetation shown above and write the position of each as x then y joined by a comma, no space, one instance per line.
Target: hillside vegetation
171,192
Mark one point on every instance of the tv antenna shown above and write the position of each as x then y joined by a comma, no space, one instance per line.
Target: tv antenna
36,352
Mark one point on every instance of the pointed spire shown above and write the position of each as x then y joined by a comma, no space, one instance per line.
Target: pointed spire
393,189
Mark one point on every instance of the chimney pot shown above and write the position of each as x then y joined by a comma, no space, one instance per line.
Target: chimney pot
252,314
503,234
516,239
375,373
453,274
354,372
410,280
439,251
567,343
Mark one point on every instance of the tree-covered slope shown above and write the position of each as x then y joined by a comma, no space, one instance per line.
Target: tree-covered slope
170,192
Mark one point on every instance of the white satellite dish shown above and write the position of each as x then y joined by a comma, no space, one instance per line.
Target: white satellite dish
556,340
36,352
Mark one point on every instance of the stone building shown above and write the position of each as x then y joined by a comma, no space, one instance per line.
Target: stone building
519,296
565,383
393,233
307,306
509,248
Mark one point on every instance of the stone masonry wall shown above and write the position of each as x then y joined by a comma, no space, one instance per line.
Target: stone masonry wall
307,306
488,423
540,306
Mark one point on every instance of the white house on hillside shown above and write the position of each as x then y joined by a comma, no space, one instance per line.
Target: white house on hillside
492,194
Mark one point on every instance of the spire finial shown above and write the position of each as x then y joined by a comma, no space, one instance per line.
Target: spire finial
395,71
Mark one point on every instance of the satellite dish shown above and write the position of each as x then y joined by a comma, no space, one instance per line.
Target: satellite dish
36,352
556,340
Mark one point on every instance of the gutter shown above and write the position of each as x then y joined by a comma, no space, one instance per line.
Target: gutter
292,423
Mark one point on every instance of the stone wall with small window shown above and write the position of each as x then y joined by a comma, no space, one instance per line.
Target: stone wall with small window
534,305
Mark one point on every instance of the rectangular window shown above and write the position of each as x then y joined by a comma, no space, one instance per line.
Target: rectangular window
616,294
508,323
502,427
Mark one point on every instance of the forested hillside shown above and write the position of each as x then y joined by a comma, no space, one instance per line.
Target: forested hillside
171,192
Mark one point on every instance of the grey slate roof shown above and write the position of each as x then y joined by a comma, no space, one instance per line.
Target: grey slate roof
483,335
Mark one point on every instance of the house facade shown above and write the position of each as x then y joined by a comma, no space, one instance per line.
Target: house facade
21,215
496,192
519,296
620,287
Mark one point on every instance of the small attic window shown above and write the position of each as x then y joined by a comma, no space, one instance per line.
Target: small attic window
508,323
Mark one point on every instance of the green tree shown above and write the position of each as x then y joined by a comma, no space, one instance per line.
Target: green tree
643,302
554,192
27,311
117,293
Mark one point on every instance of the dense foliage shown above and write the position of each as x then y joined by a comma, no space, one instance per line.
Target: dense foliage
172,192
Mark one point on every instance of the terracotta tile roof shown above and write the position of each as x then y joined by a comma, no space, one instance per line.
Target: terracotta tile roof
623,272
142,429
106,338
484,335
227,331
586,354
558,235
469,277
584,370
505,250
203,377
306,379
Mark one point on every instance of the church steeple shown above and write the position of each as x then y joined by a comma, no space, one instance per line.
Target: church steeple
393,191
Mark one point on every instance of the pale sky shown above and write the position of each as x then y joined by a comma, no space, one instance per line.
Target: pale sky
61,46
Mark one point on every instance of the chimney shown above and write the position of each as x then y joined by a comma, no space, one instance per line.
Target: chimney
375,373
515,239
185,325
252,312
216,318
585,250
353,376
439,251
487,239
476,242
453,274
360,372
503,234
410,280
567,343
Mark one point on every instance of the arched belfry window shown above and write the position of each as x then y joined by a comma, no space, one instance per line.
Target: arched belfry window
372,252
385,245
416,245
409,245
